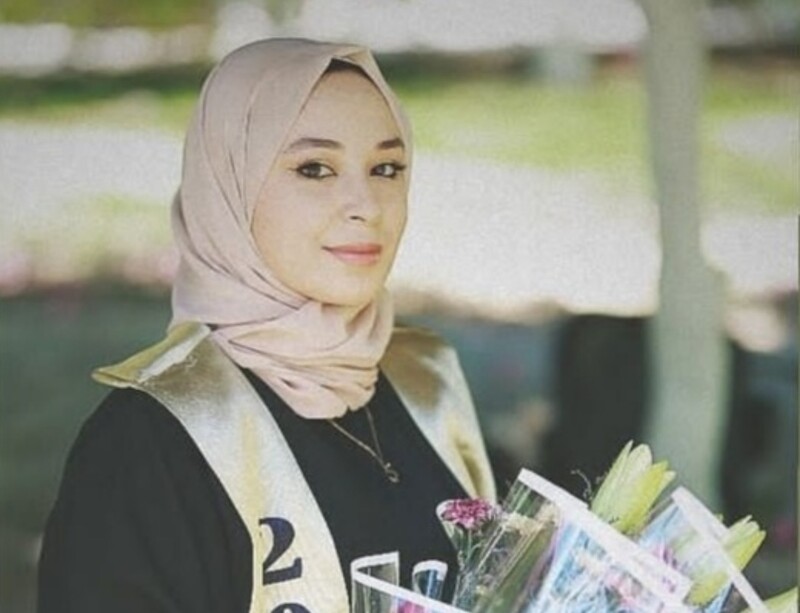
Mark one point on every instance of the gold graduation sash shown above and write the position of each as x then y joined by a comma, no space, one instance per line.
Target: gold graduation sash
295,565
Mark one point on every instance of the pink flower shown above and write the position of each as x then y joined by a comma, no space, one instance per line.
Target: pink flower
467,513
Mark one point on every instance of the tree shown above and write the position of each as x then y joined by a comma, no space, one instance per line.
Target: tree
688,413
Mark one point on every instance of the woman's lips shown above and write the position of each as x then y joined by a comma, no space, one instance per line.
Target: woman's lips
362,254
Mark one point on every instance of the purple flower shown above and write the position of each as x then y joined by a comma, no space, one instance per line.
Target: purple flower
467,513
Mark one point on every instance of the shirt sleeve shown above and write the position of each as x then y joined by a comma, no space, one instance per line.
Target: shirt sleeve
141,524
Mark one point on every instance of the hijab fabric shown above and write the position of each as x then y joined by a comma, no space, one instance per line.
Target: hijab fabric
322,359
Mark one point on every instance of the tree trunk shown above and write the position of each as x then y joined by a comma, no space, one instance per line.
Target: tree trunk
688,411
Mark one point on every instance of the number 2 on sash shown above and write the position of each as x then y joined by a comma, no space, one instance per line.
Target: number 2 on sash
282,537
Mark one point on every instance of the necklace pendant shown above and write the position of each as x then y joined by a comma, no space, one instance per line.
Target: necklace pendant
391,473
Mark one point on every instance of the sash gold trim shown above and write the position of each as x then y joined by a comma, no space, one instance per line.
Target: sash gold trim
208,394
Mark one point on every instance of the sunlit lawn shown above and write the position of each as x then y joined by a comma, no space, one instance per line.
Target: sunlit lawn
599,127
603,128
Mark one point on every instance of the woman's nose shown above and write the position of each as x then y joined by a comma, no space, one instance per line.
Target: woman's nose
360,203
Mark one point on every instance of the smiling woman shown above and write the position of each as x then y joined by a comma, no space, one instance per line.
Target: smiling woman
285,426
333,206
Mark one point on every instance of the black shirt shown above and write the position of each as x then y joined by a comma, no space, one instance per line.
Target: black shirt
142,524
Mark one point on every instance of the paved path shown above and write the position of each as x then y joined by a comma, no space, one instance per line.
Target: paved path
490,236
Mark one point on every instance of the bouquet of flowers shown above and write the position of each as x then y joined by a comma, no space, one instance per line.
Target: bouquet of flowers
544,550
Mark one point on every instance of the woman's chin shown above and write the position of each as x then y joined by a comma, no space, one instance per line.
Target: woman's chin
355,287
350,295
351,300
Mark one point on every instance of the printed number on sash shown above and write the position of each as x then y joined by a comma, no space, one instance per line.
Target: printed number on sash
282,537
290,607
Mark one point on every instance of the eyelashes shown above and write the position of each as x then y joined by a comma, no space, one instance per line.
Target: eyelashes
318,170
389,170
314,170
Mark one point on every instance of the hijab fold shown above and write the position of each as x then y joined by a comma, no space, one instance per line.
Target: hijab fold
322,359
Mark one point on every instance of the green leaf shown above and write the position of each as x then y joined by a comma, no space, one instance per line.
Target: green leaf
706,587
604,496
740,543
644,492
630,488
743,540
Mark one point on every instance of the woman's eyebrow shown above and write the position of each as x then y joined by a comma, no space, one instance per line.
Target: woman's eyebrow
392,143
308,142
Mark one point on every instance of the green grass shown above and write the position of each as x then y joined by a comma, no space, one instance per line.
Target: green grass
737,183
600,127
603,128
528,123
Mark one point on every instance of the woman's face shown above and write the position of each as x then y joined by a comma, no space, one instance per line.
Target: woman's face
333,207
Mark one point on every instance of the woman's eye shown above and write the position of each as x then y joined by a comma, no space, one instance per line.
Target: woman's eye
389,170
314,170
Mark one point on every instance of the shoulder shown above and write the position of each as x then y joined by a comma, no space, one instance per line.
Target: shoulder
133,451
114,454
427,375
422,366
123,408
176,348
136,493
129,429
419,343
133,436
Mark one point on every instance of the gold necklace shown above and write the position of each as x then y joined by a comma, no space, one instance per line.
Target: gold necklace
389,470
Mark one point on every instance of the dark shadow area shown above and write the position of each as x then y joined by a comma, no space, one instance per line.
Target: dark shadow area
601,393
49,343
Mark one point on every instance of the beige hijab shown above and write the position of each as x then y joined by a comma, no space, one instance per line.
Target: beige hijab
321,359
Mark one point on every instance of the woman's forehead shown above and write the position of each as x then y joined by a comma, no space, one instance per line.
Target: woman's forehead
345,105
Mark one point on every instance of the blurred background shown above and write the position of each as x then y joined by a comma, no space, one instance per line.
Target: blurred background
603,222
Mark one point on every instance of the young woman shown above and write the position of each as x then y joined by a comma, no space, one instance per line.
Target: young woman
284,427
